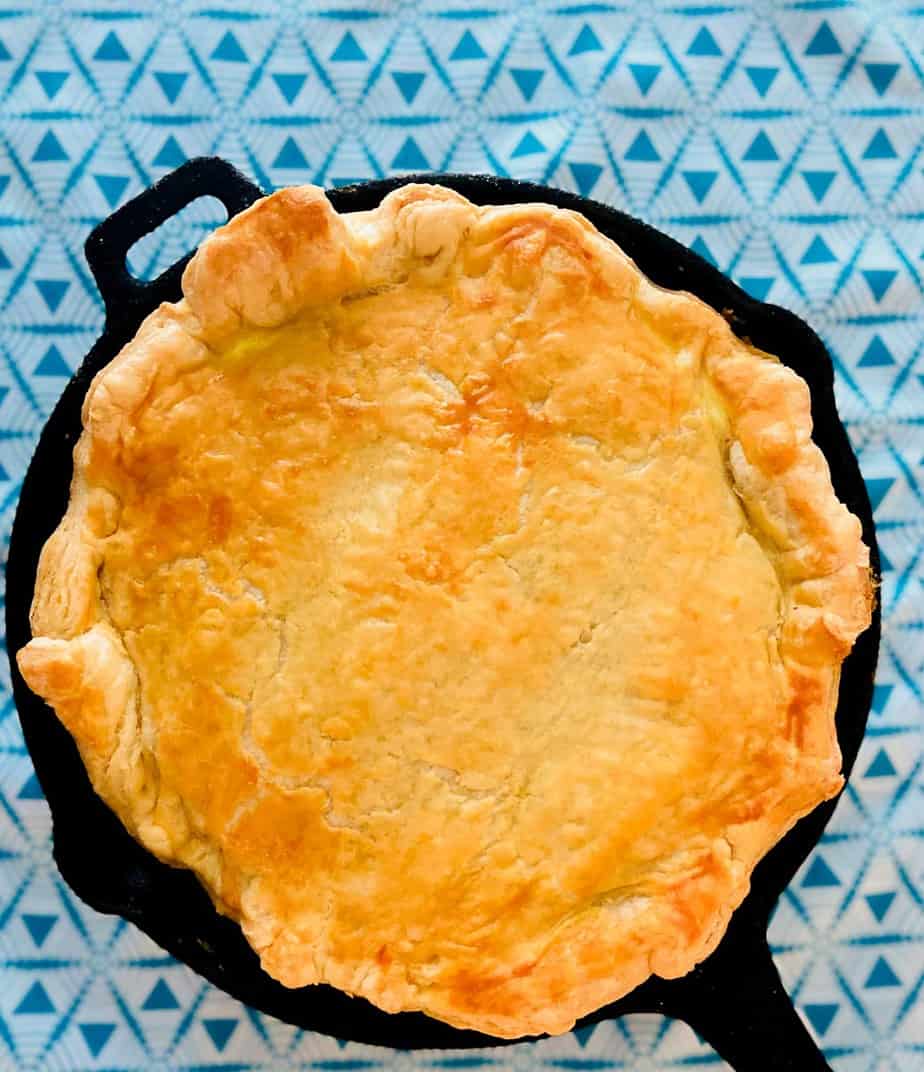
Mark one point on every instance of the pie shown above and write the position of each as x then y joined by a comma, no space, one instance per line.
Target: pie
463,609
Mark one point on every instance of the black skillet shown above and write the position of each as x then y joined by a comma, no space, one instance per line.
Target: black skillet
734,1000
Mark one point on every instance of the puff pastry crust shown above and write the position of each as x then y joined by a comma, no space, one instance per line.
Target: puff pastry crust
463,609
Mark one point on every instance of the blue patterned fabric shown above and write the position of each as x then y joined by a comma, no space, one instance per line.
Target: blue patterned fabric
780,139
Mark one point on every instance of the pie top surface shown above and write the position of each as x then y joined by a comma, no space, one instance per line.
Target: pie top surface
466,611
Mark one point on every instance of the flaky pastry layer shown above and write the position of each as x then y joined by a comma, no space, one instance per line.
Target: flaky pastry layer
466,611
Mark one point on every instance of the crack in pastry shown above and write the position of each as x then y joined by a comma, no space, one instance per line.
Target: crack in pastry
466,611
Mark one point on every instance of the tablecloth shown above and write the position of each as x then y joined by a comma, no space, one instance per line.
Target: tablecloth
781,140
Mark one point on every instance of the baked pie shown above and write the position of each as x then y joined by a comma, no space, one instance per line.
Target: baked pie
463,609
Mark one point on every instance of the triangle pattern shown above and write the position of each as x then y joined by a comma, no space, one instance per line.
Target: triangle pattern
31,790
468,47
528,145
290,156
171,154
35,1002
818,252
171,83
820,874
410,158
761,150
39,927
881,767
229,49
821,1016
290,85
53,291
348,50
880,903
527,80
762,78
879,281
823,42
586,41
644,75
880,147
52,81
160,999
585,177
881,75
876,355
49,150
96,1036
642,149
112,187
111,49
408,83
882,976
819,183
700,183
704,44
220,1031
699,246
52,364
877,488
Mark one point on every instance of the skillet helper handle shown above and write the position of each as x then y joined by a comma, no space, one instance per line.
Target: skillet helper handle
736,1002
108,244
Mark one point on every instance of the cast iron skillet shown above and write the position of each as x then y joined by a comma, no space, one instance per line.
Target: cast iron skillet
734,1000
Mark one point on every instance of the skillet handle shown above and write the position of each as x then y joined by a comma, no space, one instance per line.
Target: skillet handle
736,1002
108,243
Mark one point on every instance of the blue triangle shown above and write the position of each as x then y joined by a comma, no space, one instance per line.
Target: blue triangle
49,149
700,183
528,145
880,147
642,149
39,927
761,149
879,280
876,355
877,488
882,975
53,291
171,83
820,1016
290,156
111,49
5,261
409,83
699,246
881,767
582,1034
819,182
819,874
171,154
468,48
585,176
704,44
644,75
758,286
881,693
289,85
410,158
229,49
52,81
762,78
881,75
31,790
160,998
112,187
818,252
527,80
5,53
879,904
220,1031
586,41
349,50
824,43
36,1001
52,364
96,1036
4,475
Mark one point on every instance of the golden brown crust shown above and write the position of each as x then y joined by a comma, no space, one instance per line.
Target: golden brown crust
465,610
